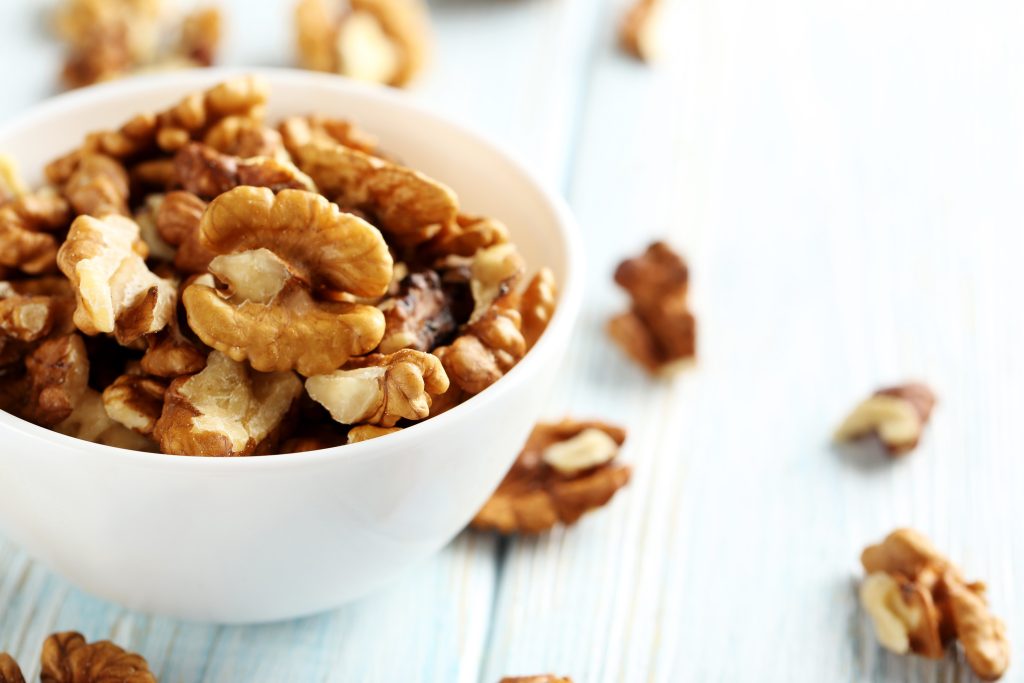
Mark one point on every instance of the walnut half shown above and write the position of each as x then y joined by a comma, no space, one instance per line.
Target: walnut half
68,658
896,415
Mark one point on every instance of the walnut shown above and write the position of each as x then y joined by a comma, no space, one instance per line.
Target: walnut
145,218
115,290
408,205
200,36
68,658
920,602
418,316
467,235
367,432
207,173
658,332
98,186
380,389
383,41
494,274
544,678
488,349
154,174
535,495
640,29
896,416
170,354
58,376
537,305
245,137
225,410
135,401
25,318
11,184
89,421
177,223
297,131
10,672
24,222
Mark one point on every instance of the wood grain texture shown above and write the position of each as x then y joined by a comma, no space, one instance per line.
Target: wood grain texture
845,180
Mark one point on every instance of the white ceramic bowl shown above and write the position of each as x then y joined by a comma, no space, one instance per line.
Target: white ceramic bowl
266,538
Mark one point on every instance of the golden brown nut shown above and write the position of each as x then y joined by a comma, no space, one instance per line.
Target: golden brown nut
225,410
156,174
367,432
198,112
535,495
98,186
68,658
58,375
170,354
10,672
106,39
544,678
207,173
488,349
23,224
537,305
32,310
494,274
381,389
200,36
245,137
639,31
418,316
297,131
383,41
115,290
12,185
467,235
659,332
919,602
896,416
177,223
89,421
408,205
135,401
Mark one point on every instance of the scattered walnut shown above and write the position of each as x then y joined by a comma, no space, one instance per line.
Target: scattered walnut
488,349
10,672
384,41
135,401
467,235
367,432
544,678
68,658
297,131
419,316
24,222
896,415
207,173
408,205
98,186
658,332
170,354
225,410
200,36
177,222
537,305
157,174
535,496
381,389
115,290
920,602
640,28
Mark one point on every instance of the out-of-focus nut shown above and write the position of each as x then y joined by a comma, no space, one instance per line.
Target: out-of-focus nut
158,174
904,615
135,401
115,290
89,421
418,316
381,389
58,376
408,205
467,235
208,173
297,131
659,332
896,415
537,305
145,218
245,137
10,672
68,658
24,222
590,448
367,432
200,36
534,496
225,410
197,112
11,184
99,186
177,223
639,33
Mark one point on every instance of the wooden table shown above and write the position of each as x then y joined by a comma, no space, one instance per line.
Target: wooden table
845,179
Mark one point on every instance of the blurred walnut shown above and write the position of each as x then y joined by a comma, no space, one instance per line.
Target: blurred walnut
205,172
639,32
12,185
418,316
200,36
98,186
116,292
68,658
544,678
383,41
154,174
177,223
381,389
57,374
10,672
135,401
658,332
107,38
367,432
896,416
410,207
145,218
226,410
30,311
494,274
467,235
89,421
565,470
537,305
245,137
279,251
920,602
24,222
297,131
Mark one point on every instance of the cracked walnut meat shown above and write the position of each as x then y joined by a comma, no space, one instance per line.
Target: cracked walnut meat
658,332
200,282
896,416
565,470
919,603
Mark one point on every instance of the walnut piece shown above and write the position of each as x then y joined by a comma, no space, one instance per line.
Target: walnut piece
537,305
58,376
177,223
225,410
383,41
488,349
639,32
135,401
535,496
98,186
170,354
467,235
12,185
245,137
896,416
116,292
145,218
24,224
10,672
200,36
658,332
381,389
418,316
68,658
207,173
367,432
407,205
920,602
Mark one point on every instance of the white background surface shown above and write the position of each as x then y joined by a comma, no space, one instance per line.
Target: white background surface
845,179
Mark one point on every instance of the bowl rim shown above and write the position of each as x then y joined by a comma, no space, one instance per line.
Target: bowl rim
566,313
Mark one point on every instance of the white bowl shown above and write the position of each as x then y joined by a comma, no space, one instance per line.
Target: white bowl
264,538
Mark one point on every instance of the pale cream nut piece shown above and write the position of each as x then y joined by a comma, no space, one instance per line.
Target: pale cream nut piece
899,611
381,389
89,421
408,205
225,410
590,448
367,432
145,218
982,635
494,274
116,292
135,401
896,415
11,184
640,31
467,235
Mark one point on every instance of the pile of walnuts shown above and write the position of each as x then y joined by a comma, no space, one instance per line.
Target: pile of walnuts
200,283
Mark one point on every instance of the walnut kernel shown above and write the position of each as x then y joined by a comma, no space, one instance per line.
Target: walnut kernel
896,415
